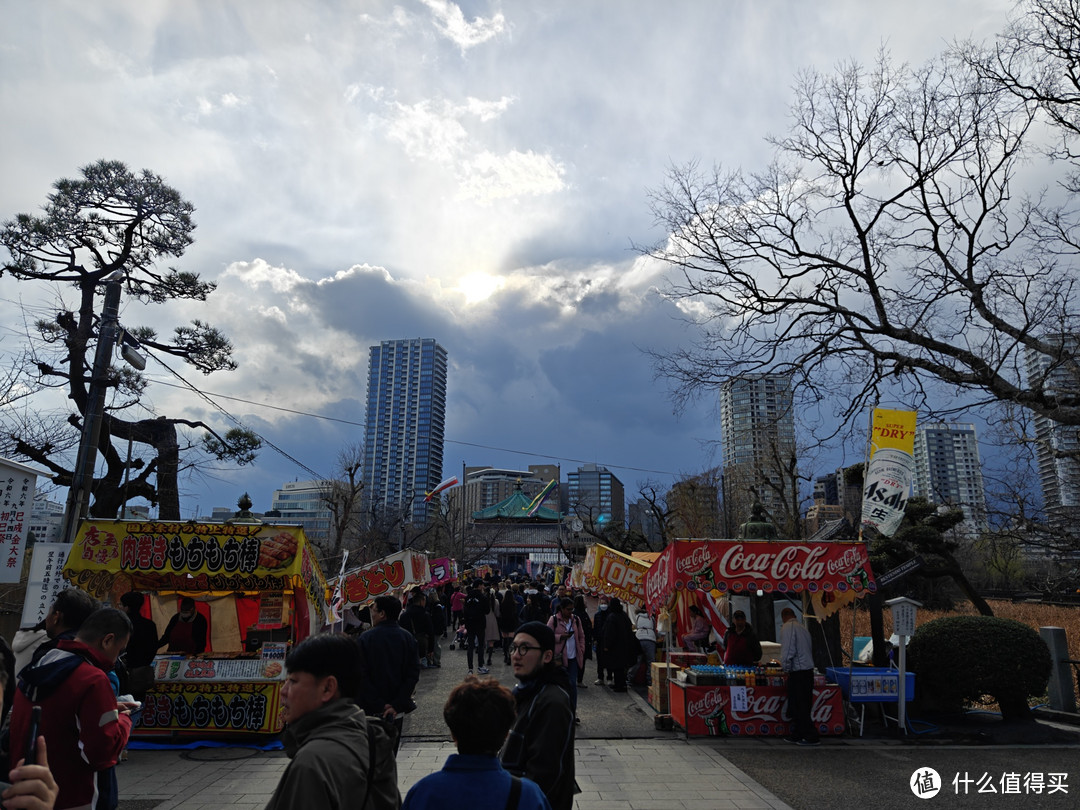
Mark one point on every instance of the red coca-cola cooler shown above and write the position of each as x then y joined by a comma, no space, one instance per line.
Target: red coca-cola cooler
721,711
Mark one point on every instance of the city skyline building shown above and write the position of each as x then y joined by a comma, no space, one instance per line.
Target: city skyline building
303,502
404,428
948,471
484,486
757,438
1057,445
597,497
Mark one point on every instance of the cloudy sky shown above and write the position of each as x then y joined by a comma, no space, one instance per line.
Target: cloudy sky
476,172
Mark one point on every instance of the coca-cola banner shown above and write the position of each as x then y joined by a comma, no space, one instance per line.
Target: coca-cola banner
721,711
752,565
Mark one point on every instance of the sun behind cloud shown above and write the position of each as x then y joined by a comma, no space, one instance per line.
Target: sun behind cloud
477,287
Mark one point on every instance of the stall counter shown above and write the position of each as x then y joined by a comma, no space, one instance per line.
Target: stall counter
718,711
214,695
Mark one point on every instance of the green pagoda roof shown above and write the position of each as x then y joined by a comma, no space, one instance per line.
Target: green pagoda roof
517,507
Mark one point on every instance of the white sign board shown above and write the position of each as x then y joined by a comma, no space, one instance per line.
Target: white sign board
45,582
17,484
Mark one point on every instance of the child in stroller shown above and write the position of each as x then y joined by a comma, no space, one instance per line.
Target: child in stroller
460,638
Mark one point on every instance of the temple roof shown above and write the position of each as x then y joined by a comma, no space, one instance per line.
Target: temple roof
515,508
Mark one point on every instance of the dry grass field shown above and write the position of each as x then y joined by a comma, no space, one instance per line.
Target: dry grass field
1030,613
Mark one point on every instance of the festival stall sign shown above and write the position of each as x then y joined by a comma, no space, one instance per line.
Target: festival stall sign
364,584
443,570
614,574
749,566
110,558
45,582
17,485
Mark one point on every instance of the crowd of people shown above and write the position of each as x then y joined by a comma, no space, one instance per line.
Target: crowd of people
345,694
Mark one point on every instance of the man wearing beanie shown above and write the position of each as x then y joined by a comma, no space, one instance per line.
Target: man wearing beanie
541,743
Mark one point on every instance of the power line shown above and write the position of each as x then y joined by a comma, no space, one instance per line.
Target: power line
527,453
233,419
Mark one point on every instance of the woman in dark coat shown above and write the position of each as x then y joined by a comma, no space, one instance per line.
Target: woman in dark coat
509,621
586,624
620,644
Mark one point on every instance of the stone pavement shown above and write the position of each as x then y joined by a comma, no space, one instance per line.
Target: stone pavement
642,774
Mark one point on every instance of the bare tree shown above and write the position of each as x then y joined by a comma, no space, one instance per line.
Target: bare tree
659,511
884,252
344,498
112,220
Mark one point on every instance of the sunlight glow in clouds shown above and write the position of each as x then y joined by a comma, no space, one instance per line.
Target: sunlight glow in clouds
450,20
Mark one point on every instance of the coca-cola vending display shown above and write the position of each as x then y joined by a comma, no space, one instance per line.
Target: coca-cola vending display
749,710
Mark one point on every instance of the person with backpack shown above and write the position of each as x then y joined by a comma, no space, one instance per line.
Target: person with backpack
476,609
479,714
416,619
338,754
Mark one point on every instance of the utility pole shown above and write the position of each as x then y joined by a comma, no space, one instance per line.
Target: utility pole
82,478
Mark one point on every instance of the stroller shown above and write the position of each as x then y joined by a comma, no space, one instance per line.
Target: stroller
460,639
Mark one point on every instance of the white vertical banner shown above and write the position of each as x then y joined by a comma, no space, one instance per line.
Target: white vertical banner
17,485
45,582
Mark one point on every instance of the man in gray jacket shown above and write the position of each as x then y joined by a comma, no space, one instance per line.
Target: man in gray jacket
339,758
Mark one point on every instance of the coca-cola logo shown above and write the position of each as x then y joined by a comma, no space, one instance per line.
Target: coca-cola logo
766,704
708,703
850,560
698,559
796,562
656,579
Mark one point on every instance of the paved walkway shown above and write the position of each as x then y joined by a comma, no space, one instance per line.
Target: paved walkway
613,775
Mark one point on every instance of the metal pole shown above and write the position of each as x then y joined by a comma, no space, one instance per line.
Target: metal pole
82,478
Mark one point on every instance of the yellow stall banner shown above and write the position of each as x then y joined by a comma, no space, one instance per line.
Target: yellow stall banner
111,557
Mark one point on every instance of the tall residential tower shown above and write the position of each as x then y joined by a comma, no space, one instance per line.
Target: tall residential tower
403,440
757,434
1058,445
948,471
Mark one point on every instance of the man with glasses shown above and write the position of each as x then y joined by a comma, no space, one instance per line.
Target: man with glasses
541,743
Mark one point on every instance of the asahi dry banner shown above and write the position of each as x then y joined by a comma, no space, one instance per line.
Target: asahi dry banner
887,484
753,565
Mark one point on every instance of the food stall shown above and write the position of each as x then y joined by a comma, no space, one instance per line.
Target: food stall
712,700
260,589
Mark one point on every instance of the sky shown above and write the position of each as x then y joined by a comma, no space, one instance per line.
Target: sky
476,172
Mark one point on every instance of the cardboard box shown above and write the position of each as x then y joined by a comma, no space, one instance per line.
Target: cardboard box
658,696
688,659
662,671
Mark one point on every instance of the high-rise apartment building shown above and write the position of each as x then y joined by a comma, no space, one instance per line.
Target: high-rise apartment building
596,496
403,439
948,471
1057,445
757,434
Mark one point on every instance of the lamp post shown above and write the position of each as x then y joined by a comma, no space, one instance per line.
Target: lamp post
82,478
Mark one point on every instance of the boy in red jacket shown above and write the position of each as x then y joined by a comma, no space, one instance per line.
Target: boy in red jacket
85,727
